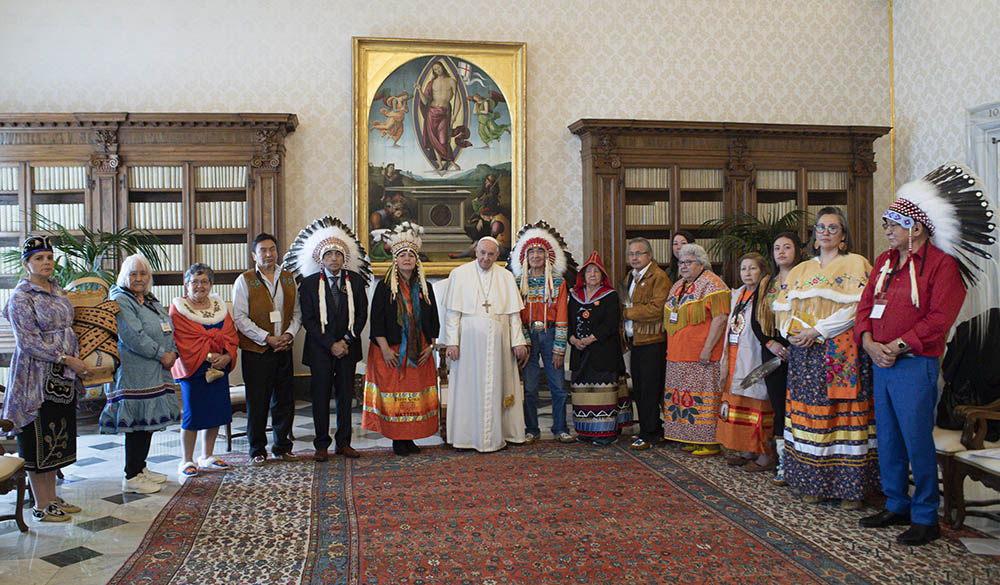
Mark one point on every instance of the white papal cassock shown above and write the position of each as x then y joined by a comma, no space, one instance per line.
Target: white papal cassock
483,319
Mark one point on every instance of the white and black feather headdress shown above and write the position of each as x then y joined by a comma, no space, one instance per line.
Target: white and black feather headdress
326,233
316,239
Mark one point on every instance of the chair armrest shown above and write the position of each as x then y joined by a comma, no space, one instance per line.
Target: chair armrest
976,423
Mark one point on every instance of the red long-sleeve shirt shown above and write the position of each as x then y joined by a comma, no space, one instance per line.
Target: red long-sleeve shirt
941,296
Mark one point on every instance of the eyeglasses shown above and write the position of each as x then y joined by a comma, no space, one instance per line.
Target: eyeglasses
886,224
637,254
687,262
826,229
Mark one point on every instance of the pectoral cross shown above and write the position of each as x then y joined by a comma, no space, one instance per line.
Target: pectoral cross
487,305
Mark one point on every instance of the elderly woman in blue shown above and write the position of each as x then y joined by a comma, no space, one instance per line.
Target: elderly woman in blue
143,399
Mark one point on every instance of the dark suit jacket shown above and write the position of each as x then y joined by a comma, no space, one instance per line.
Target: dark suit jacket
318,344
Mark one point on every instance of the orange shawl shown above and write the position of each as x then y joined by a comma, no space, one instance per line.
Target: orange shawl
194,342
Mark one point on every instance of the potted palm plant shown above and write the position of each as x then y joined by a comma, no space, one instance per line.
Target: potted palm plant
742,233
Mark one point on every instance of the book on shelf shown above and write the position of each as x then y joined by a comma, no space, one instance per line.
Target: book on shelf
698,212
701,178
156,215
155,177
65,178
826,180
10,218
656,212
166,293
224,257
221,177
222,214
716,255
8,179
68,215
640,178
173,258
771,180
777,209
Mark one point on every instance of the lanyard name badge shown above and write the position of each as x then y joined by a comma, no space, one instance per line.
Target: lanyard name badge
165,326
878,308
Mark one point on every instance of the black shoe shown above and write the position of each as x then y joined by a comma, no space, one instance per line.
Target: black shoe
411,447
883,519
919,534
400,448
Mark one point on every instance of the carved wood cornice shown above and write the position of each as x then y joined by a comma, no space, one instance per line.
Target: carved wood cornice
611,126
608,145
268,149
864,157
287,122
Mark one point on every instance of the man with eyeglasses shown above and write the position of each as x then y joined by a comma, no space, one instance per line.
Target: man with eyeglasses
906,310
644,293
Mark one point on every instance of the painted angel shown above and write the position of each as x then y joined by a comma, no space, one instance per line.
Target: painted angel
395,110
485,110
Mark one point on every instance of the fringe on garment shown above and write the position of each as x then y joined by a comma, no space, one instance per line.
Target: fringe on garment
695,312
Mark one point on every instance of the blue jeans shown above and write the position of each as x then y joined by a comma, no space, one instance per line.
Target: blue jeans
905,398
541,344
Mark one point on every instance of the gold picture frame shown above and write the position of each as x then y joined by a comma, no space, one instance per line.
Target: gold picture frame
439,140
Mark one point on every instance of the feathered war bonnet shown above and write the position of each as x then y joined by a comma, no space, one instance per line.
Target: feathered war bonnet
305,257
558,260
951,204
405,236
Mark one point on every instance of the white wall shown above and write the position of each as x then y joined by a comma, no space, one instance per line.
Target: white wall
781,61
947,60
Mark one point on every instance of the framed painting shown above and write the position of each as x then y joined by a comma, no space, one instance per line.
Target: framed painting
439,135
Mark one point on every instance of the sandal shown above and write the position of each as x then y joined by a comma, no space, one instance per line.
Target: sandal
736,460
187,469
689,447
212,462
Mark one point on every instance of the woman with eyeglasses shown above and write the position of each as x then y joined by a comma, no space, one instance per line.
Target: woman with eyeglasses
830,442
44,378
207,345
695,318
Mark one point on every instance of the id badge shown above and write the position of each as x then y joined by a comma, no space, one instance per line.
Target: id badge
673,317
878,308
275,316
734,339
165,326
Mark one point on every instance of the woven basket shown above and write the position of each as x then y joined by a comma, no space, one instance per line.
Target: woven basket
95,319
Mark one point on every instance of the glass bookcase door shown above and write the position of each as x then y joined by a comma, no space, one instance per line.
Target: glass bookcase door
56,193
220,235
825,189
701,198
647,207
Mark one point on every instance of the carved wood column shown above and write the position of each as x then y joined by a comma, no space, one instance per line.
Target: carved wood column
739,180
861,188
605,207
265,212
102,196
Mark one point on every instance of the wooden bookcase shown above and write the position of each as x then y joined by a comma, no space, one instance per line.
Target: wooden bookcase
651,178
204,184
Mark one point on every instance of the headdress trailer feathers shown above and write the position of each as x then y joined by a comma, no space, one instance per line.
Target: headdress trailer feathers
951,203
316,239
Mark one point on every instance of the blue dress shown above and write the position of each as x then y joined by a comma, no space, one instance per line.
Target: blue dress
143,396
206,406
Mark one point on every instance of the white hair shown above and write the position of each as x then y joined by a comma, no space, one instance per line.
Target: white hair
130,265
698,252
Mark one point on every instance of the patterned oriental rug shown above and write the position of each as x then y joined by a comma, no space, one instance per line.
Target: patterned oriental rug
541,514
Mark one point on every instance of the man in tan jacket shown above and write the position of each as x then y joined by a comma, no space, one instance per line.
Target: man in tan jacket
644,294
